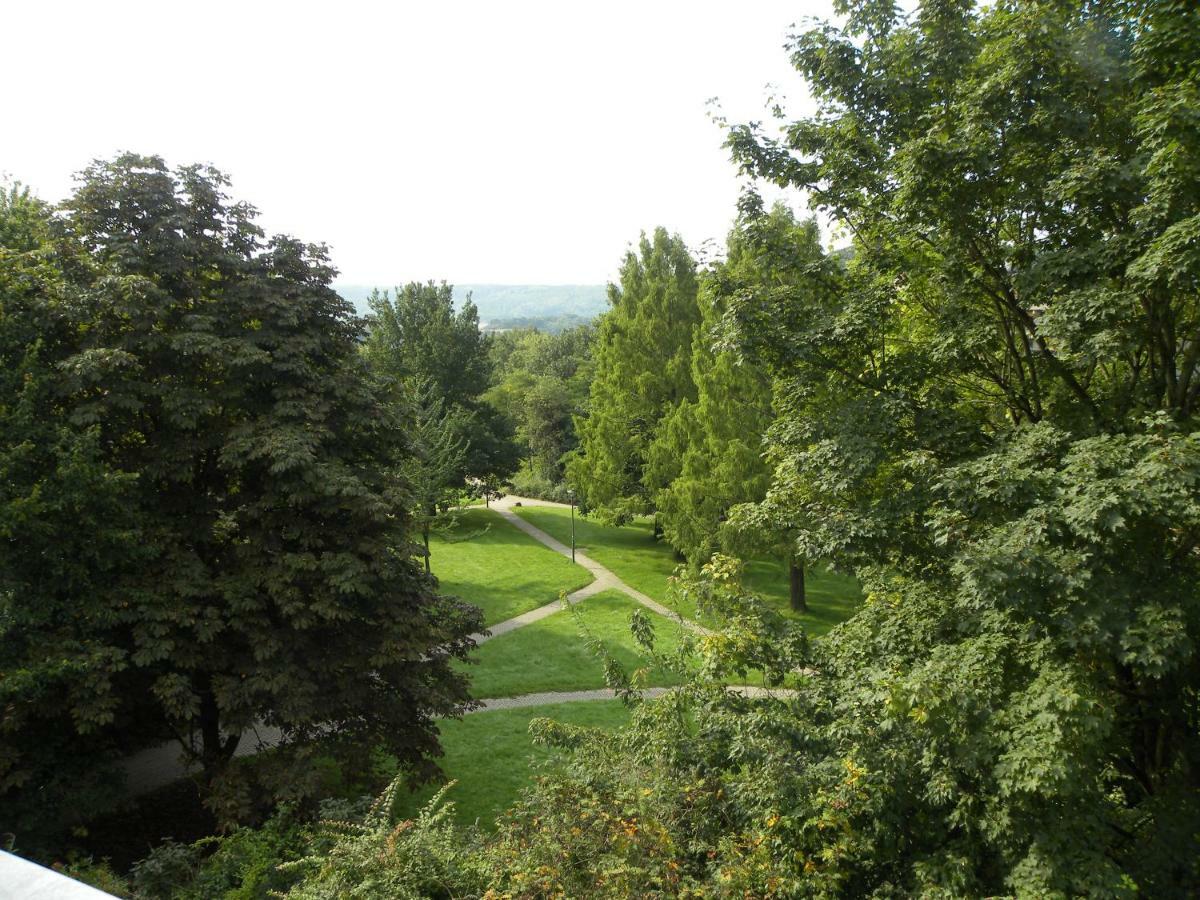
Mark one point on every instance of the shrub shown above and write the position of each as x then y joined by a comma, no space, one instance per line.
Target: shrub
538,486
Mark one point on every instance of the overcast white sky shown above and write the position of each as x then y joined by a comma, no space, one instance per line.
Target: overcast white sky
507,142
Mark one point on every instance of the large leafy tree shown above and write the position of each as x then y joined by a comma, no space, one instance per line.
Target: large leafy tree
642,373
65,530
219,373
417,336
992,412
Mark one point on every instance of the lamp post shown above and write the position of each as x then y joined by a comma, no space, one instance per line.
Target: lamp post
571,494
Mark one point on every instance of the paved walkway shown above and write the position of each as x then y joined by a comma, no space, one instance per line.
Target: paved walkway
746,690
157,766
604,578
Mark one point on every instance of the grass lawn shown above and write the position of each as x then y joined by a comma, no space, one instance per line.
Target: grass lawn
644,563
551,655
490,754
501,570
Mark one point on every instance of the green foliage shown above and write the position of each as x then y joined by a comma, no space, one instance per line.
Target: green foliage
65,528
211,454
643,372
245,864
417,337
97,874
990,411
383,857
718,439
523,484
498,567
541,384
417,334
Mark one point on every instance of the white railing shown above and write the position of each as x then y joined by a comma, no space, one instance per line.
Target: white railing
22,880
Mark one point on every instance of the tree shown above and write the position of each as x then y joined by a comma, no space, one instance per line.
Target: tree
642,373
65,529
417,335
718,441
433,472
274,582
991,413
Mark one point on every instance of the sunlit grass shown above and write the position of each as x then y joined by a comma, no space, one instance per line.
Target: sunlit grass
645,563
552,654
492,756
488,562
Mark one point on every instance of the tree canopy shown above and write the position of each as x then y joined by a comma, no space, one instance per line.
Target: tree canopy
541,383
416,336
196,395
642,373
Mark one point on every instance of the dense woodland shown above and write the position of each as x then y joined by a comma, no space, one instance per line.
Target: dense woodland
218,486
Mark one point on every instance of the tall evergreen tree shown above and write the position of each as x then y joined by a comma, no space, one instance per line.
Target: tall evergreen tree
717,442
642,373
433,471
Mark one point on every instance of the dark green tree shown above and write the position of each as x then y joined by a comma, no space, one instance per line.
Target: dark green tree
433,472
416,335
65,532
642,374
219,374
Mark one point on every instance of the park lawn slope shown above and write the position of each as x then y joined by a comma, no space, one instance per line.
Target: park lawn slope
552,654
492,757
488,562
646,564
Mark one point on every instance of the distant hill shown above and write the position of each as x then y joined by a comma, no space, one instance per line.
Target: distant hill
505,303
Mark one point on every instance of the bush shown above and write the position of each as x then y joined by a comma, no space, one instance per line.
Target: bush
414,858
98,874
538,486
247,864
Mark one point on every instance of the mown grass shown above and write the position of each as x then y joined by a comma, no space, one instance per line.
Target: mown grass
488,562
645,563
492,756
552,654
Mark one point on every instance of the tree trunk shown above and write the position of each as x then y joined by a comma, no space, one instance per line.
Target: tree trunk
214,753
425,535
796,579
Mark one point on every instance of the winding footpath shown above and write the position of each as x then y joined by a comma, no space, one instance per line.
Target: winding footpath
604,578
158,766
